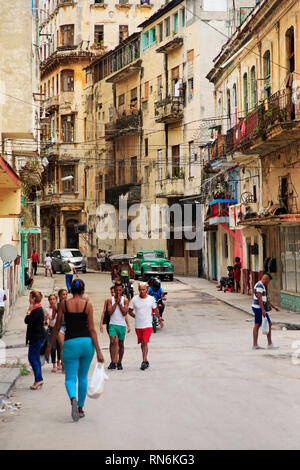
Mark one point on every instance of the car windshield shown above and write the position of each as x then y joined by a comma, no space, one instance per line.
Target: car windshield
154,255
71,254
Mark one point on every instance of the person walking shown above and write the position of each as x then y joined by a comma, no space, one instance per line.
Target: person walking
48,265
69,270
80,344
260,306
2,309
62,296
35,336
34,262
50,319
144,305
117,308
237,273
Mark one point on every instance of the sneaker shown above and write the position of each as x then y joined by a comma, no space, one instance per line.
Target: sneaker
144,365
147,362
119,366
74,412
257,347
112,365
272,346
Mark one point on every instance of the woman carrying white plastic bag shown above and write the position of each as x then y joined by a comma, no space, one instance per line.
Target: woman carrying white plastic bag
96,385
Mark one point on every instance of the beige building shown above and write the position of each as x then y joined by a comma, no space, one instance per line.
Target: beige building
71,35
256,98
150,113
19,139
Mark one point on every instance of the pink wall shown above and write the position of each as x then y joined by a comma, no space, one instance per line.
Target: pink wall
238,246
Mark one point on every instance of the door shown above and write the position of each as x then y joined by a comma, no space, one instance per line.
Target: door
214,256
72,238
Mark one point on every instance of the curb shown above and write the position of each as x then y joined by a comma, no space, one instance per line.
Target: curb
10,386
287,325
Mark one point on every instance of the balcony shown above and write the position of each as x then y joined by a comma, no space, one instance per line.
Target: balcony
274,124
241,212
51,103
169,110
131,191
127,123
170,187
218,211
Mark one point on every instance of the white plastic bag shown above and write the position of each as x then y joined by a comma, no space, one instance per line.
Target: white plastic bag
96,385
265,326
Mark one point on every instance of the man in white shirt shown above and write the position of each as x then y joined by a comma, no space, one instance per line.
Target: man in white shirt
144,306
2,309
48,265
117,308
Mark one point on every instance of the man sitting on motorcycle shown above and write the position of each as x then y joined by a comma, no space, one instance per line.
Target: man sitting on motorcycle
157,292
124,273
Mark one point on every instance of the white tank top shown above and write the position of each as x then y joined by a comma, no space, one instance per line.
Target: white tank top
117,317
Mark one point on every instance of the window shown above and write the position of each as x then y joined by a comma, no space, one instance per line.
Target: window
147,174
99,34
146,148
175,161
152,36
133,169
190,55
159,87
146,95
121,168
161,32
160,164
245,92
267,74
175,81
253,87
190,89
123,32
182,14
145,41
68,128
121,100
133,98
68,185
175,23
234,100
191,159
290,258
67,35
167,27
67,80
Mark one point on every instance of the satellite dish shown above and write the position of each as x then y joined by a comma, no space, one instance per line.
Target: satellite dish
8,253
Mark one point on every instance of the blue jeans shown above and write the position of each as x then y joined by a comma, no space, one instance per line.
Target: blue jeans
69,278
77,357
34,359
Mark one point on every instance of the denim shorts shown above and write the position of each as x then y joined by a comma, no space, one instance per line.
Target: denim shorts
258,316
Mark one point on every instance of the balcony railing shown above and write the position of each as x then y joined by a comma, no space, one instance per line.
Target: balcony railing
170,187
124,124
169,110
278,110
218,149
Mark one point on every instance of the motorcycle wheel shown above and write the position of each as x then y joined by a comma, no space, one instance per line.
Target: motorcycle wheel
154,327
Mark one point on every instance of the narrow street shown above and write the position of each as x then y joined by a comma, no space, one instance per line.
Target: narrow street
205,388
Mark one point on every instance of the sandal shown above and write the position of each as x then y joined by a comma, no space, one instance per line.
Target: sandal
36,386
81,412
53,369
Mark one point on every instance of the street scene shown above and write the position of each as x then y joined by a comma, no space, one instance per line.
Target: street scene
149,224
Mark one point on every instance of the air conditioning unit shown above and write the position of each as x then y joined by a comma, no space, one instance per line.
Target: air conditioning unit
80,228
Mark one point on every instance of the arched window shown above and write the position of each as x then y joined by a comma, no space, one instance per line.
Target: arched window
228,110
234,103
267,73
290,49
253,87
245,92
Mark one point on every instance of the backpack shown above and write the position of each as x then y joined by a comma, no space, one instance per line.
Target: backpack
67,268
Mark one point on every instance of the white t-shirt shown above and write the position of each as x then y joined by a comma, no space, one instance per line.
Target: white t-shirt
259,287
143,310
117,318
2,294
48,261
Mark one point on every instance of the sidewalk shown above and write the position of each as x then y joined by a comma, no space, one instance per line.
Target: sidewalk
290,320
16,351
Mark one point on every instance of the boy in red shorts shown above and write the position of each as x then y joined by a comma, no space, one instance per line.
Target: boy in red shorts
143,305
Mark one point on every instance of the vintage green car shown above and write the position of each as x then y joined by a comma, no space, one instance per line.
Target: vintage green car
152,263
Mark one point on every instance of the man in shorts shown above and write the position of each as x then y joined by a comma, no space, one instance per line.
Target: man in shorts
258,307
144,305
117,308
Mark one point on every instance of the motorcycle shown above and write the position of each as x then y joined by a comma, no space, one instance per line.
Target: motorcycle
161,307
127,287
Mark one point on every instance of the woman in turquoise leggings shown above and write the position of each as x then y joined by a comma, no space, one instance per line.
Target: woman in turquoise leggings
80,344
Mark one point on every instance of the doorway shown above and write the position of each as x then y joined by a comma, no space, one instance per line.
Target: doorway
72,238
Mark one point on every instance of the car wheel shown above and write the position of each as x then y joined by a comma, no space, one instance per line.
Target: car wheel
171,277
135,277
53,270
144,276
84,271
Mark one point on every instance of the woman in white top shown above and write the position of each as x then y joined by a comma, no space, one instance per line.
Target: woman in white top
48,265
50,320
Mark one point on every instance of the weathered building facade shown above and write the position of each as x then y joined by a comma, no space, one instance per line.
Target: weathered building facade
256,97
72,34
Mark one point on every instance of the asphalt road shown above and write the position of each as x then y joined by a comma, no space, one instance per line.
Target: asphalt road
205,388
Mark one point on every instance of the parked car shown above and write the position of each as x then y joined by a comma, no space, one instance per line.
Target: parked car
61,256
153,263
